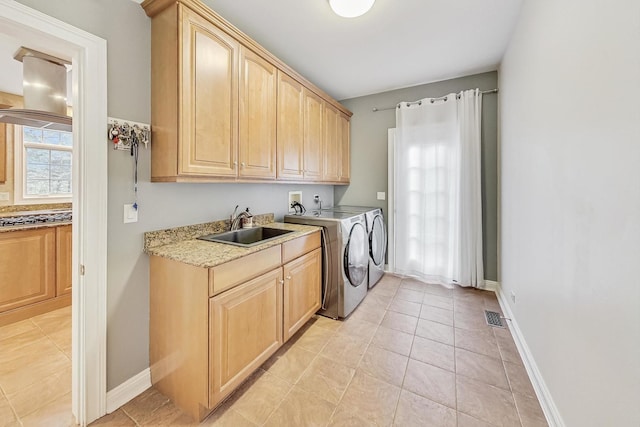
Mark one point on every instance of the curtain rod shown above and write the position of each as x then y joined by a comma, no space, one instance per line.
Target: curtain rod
376,109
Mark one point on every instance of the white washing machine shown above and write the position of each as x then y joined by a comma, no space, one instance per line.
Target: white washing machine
377,236
345,251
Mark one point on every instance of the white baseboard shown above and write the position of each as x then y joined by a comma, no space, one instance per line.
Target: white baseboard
490,285
128,390
542,392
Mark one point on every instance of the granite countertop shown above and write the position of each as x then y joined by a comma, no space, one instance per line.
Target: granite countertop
33,226
57,217
205,254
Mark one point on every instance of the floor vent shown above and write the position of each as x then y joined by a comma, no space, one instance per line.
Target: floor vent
493,319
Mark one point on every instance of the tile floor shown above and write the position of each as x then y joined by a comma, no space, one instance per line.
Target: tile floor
412,354
35,371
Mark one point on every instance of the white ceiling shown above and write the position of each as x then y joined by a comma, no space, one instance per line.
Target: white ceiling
398,43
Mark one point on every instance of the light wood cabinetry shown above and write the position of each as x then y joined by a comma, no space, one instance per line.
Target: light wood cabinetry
330,149
210,328
245,330
28,267
257,120
344,143
226,109
35,272
63,260
302,291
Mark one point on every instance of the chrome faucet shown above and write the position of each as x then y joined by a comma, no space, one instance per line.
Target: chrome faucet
236,219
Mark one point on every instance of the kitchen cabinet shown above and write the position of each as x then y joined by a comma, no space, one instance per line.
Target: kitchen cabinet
302,291
210,328
257,119
225,109
27,267
35,267
245,330
330,149
63,260
344,143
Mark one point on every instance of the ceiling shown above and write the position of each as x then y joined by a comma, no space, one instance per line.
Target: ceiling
398,43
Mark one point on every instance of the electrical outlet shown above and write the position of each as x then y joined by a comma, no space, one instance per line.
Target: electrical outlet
130,213
513,297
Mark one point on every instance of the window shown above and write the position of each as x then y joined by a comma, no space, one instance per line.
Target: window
43,165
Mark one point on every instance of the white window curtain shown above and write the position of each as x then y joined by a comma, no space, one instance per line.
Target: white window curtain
438,206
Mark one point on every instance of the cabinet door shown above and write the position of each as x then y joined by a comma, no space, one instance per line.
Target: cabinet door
209,99
63,260
245,329
312,136
290,128
345,148
257,122
331,169
27,267
302,291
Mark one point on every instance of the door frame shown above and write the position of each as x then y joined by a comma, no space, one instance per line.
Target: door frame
88,55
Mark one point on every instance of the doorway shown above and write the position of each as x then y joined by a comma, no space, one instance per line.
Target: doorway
88,55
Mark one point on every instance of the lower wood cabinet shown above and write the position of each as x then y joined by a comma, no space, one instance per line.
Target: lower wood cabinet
210,329
302,291
63,260
245,327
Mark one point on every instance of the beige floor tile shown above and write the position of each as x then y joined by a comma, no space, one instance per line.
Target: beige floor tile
41,392
27,352
465,420
531,414
433,353
400,322
438,301
345,350
435,331
393,340
168,415
7,416
115,419
14,342
507,346
312,339
491,303
345,417
327,379
416,411
405,307
436,314
370,313
143,406
361,329
324,322
439,290
387,291
481,341
485,402
289,363
55,414
471,295
259,396
413,284
54,321
469,307
301,408
482,368
390,280
409,295
62,339
519,379
377,300
429,381
384,365
472,321
227,417
17,328
372,399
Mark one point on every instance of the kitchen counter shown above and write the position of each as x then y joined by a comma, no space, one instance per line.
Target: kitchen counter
34,219
205,254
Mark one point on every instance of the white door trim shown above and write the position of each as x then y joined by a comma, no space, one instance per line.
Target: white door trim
88,55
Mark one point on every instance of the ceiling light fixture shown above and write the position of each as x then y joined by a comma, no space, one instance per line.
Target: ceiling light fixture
351,8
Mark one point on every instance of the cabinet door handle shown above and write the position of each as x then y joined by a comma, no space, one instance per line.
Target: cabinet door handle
288,277
281,282
235,163
242,165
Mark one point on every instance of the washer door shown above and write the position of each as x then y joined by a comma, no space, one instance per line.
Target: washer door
355,256
377,241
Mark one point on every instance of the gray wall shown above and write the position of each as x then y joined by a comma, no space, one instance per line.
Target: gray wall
162,205
369,151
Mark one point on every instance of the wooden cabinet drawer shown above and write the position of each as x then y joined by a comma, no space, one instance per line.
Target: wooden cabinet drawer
238,271
300,246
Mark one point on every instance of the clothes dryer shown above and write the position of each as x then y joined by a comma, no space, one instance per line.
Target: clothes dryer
345,259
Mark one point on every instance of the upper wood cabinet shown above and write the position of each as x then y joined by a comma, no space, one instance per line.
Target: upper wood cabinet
344,135
257,122
223,108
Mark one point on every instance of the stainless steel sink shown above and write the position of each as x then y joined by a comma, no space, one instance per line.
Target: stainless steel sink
246,236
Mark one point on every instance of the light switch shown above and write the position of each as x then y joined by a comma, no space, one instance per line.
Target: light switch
130,213
382,195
